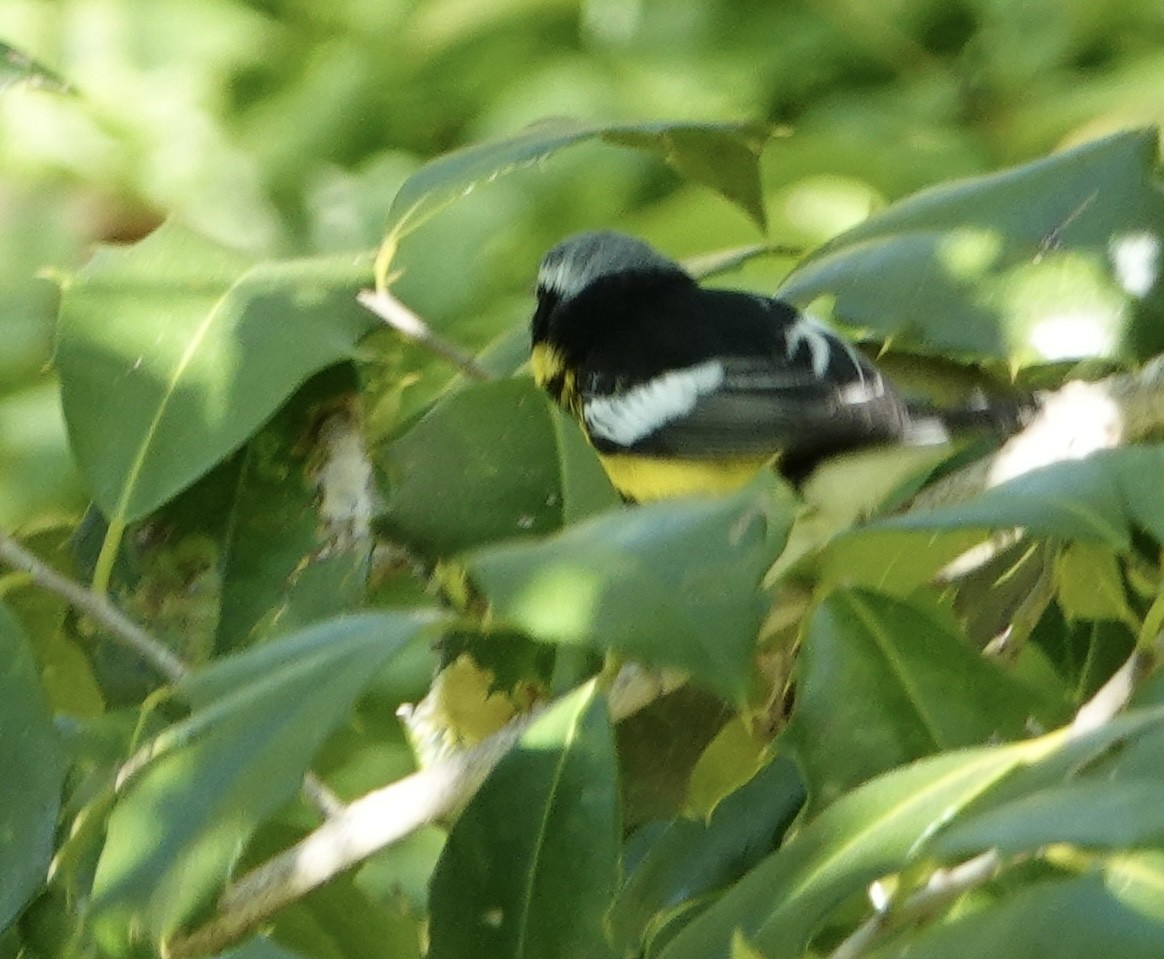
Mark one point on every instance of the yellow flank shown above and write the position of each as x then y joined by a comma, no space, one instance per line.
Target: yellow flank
546,362
644,478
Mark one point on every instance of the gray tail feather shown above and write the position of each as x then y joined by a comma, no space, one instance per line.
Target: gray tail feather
1000,417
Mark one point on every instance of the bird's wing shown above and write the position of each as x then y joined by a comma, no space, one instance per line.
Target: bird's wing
814,395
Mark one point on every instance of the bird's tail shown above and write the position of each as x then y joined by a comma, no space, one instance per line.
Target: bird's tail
995,416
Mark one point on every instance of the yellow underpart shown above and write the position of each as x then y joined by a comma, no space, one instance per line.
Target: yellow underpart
546,362
644,478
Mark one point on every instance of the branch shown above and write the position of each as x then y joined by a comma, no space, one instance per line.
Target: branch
96,606
402,319
129,634
1115,694
1078,419
382,817
943,887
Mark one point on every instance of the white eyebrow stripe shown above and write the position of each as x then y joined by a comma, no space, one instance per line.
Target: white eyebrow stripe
625,418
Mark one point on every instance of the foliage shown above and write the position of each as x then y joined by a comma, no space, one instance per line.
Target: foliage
310,515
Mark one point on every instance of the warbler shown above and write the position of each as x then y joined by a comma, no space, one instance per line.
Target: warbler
683,389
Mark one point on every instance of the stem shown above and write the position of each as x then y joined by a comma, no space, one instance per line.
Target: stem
95,605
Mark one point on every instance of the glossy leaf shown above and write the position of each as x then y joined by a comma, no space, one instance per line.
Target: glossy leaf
671,583
1078,918
881,827
1052,260
783,902
492,461
880,683
690,858
530,866
1093,814
724,156
1100,498
34,773
174,350
258,719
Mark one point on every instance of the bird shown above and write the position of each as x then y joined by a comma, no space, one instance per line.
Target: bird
683,389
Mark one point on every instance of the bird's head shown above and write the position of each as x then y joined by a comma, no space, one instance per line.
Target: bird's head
581,260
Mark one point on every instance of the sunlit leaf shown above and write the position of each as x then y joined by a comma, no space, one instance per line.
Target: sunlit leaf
530,866
1101,498
173,351
878,828
1077,918
672,583
1057,259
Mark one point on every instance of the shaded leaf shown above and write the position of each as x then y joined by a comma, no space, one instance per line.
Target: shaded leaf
1055,259
530,866
492,461
34,771
296,550
671,583
690,858
881,683
258,719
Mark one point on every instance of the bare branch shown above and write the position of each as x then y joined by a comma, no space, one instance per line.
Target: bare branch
97,607
943,887
401,318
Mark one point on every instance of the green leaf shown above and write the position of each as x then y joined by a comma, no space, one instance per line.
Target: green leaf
297,548
174,350
529,869
782,903
258,719
1092,814
493,461
19,69
1055,259
34,772
724,156
1101,498
881,827
1116,912
880,683
1089,584
690,858
671,583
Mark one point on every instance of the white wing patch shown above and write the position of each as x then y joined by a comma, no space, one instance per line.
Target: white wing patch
625,418
820,342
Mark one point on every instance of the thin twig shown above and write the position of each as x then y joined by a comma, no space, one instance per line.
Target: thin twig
943,887
97,607
402,319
